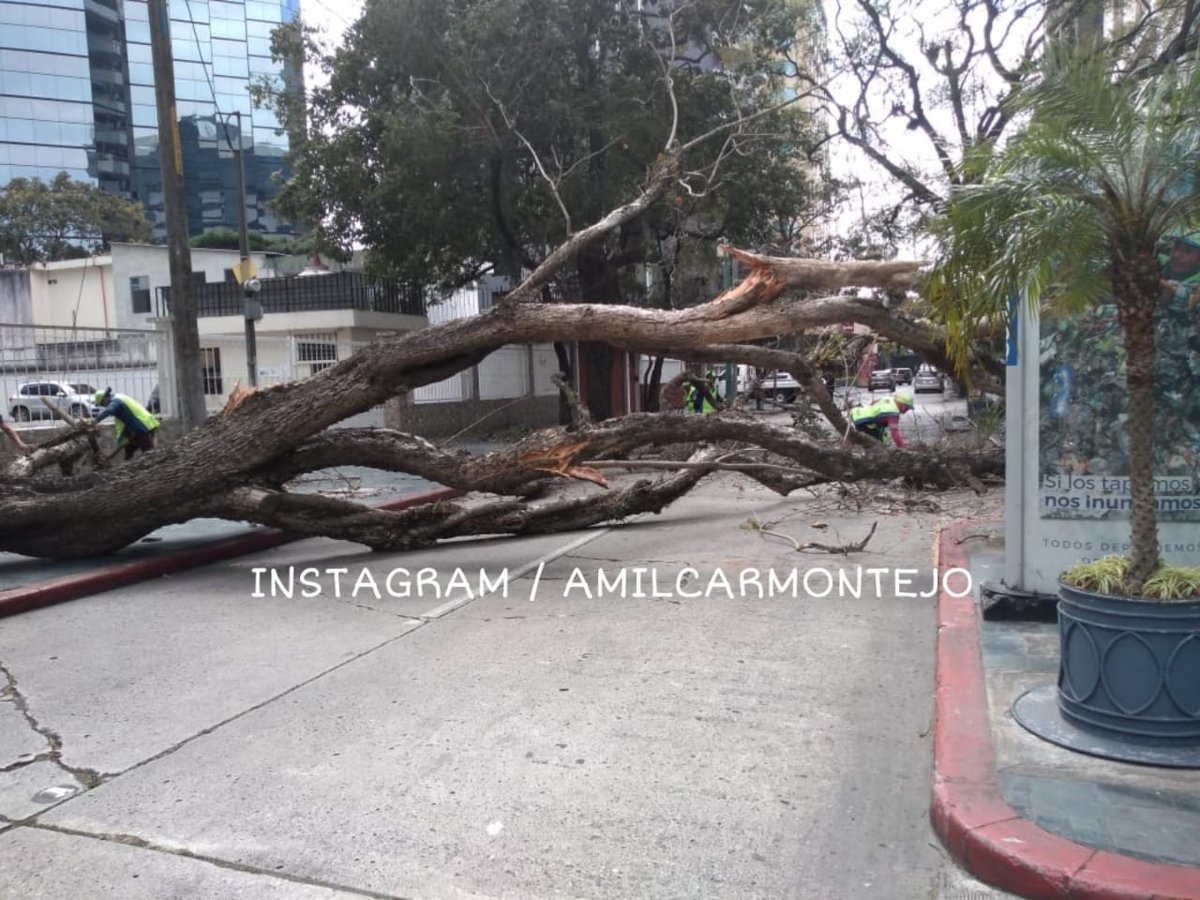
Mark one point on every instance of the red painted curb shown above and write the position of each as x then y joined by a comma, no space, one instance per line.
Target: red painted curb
987,836
71,587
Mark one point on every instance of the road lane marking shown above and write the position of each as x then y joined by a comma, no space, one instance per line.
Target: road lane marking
539,565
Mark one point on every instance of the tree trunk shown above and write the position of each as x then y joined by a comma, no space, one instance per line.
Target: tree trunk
566,414
596,282
1136,293
650,388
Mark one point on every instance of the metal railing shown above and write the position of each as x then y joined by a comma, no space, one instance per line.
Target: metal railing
337,290
67,365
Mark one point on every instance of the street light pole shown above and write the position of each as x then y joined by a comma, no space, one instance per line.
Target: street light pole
252,309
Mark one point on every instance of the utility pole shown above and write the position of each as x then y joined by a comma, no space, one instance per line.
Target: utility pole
252,309
186,334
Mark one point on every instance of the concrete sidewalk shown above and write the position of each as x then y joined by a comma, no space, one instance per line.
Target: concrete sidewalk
1025,814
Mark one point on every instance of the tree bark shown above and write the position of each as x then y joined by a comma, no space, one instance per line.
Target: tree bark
1136,293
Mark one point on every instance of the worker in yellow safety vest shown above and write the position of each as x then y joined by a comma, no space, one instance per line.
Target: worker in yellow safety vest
882,418
696,398
135,425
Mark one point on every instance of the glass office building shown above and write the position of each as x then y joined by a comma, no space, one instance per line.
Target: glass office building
77,95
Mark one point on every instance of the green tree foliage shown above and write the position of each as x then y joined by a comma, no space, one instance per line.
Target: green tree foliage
1072,212
64,219
227,239
458,133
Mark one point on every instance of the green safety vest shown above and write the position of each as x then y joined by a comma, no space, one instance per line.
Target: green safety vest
876,412
140,413
689,400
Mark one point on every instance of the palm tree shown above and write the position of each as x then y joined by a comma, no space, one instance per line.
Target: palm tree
1071,213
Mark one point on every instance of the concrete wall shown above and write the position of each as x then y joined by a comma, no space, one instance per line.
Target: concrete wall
151,260
16,300
276,355
75,293
471,300
357,321
95,292
437,420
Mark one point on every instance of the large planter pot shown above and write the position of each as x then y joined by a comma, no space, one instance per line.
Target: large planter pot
1130,668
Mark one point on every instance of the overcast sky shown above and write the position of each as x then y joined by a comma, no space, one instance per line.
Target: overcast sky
331,16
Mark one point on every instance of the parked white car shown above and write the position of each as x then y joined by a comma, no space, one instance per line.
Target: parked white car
71,397
780,385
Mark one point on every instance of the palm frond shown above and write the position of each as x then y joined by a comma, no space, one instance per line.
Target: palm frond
1100,166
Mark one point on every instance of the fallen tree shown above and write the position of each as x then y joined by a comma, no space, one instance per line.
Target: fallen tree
237,465
493,132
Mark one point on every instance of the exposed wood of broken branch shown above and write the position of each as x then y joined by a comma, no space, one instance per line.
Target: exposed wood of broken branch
825,275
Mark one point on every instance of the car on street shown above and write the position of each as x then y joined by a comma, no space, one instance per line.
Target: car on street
71,397
881,380
928,379
902,375
781,386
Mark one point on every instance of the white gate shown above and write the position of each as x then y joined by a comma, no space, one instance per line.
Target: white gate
66,364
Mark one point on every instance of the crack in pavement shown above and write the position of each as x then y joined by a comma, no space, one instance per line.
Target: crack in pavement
88,778
131,840
368,608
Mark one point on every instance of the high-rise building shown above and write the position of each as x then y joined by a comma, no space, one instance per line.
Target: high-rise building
77,95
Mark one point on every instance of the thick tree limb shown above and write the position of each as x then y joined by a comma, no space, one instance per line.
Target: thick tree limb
513,470
422,526
57,518
824,275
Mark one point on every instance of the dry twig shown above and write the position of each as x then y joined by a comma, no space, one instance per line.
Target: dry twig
844,549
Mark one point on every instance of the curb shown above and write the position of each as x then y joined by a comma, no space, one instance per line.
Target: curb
72,587
983,833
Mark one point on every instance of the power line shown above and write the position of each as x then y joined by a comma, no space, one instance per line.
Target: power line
211,89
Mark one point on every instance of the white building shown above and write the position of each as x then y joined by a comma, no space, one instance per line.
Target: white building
90,320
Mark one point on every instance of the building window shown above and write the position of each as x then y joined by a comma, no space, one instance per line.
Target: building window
139,292
212,370
316,352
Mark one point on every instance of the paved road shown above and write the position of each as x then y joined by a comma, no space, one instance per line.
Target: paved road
933,417
443,746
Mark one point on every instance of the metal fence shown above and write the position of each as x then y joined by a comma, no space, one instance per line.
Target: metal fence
336,290
68,365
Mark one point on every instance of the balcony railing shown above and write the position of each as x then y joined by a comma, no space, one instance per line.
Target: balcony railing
338,290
